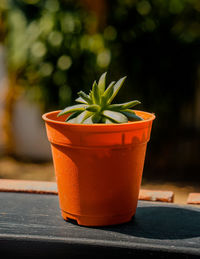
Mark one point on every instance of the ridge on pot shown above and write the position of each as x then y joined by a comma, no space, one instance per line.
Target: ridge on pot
98,167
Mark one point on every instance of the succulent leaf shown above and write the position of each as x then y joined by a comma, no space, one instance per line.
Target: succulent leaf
108,121
108,93
83,116
102,83
96,118
117,87
80,100
85,97
73,108
93,108
122,106
90,94
88,120
95,93
115,116
131,115
73,120
96,106
72,116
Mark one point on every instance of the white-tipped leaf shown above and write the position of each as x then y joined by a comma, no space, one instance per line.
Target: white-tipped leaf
108,121
88,120
83,116
80,100
73,108
85,97
102,83
131,115
115,116
116,89
72,116
122,106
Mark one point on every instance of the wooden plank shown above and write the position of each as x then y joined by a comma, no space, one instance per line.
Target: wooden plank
156,195
43,187
193,198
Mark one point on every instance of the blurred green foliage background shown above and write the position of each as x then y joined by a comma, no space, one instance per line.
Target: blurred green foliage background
50,49
57,47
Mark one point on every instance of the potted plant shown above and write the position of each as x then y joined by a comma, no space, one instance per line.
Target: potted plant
98,152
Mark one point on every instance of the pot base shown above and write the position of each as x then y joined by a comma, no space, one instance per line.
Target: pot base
97,221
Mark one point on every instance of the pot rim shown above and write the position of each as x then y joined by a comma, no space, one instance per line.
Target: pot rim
151,117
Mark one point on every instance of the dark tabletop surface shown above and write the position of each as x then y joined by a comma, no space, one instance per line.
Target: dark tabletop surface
31,224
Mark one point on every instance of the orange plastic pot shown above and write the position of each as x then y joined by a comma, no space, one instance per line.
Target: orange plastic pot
98,168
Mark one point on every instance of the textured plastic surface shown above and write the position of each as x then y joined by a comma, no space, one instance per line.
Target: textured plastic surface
98,168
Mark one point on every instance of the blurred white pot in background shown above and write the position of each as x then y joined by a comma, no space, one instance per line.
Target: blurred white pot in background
29,134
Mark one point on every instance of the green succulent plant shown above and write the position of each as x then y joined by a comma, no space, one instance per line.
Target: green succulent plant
96,106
